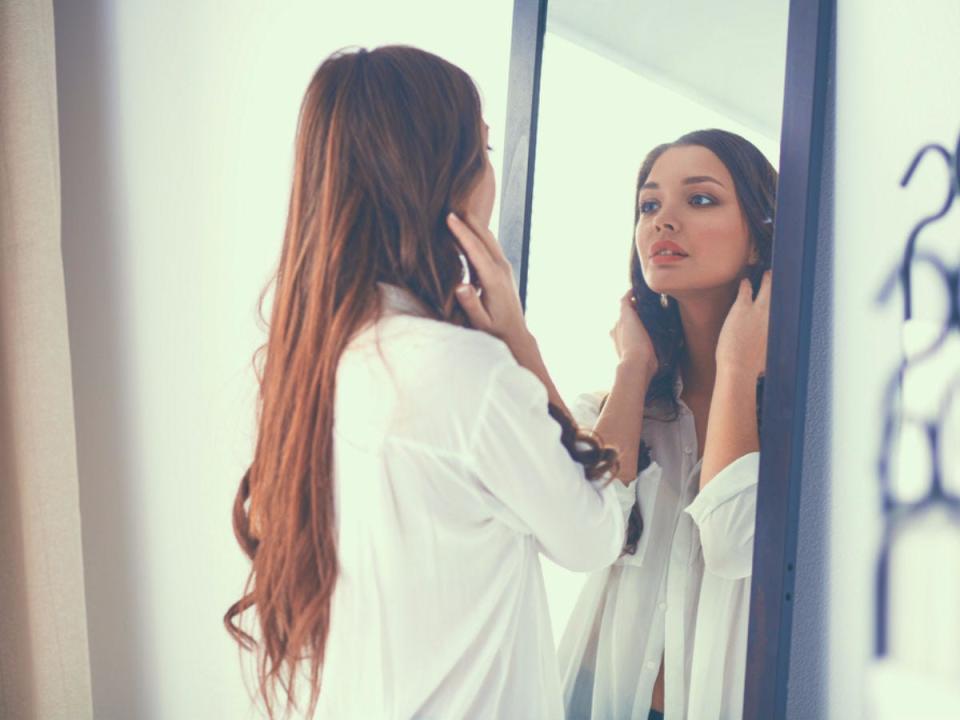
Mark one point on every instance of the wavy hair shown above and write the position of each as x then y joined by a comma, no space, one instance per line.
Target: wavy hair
388,142
755,183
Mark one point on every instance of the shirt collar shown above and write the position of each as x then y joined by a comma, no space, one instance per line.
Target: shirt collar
395,300
677,386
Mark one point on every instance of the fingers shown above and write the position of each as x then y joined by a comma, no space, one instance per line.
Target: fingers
470,302
487,238
473,246
764,292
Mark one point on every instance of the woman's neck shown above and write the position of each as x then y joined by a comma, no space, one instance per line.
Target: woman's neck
702,319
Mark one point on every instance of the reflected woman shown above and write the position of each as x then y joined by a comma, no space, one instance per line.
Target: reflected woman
407,470
663,631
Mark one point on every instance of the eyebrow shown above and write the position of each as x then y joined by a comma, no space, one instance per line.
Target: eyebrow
687,181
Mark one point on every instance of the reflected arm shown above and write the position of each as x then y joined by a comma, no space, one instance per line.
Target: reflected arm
621,420
732,430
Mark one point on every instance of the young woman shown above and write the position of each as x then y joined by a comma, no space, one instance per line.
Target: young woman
662,632
407,469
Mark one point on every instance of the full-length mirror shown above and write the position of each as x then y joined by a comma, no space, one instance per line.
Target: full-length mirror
651,228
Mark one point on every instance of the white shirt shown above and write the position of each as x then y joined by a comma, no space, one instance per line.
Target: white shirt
449,480
683,597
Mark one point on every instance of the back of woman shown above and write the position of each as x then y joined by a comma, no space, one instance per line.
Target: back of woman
407,470
439,591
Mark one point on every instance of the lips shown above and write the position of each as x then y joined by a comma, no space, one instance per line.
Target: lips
662,245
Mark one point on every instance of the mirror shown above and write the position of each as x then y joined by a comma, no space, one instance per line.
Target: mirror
617,79
594,87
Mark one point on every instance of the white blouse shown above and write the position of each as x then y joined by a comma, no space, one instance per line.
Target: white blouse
684,596
450,479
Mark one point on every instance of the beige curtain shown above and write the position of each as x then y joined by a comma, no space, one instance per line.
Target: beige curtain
44,666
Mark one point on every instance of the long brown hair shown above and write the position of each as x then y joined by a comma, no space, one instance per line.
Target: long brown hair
388,142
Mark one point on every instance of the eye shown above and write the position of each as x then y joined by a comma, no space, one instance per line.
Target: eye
647,206
702,200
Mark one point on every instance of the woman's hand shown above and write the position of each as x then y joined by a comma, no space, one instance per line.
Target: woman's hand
632,339
742,345
498,312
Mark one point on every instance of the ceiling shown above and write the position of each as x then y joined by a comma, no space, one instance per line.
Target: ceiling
728,55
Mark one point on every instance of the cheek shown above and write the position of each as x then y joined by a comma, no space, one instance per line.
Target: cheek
481,200
724,236
642,234
639,242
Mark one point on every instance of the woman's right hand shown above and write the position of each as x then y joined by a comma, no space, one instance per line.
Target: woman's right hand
631,338
498,311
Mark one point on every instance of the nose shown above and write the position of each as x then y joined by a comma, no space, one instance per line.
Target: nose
665,220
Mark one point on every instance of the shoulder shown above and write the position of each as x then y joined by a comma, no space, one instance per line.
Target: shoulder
458,351
433,358
419,336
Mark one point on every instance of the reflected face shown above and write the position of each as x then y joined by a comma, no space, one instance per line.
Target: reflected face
479,203
691,234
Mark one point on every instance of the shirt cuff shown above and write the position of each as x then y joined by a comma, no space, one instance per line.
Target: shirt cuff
736,477
626,495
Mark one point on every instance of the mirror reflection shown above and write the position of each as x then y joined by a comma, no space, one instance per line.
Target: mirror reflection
652,229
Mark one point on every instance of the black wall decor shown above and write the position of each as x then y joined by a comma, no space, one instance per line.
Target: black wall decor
898,512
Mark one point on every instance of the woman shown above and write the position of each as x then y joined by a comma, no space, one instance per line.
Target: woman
662,632
407,472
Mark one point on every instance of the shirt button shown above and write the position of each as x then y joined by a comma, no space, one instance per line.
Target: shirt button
663,606
687,449
651,664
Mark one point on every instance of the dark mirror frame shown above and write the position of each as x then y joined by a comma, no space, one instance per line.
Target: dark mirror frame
788,346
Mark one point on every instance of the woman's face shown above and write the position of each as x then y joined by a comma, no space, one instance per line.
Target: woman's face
689,207
480,201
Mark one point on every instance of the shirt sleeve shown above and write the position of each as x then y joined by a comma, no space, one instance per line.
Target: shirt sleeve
725,512
516,452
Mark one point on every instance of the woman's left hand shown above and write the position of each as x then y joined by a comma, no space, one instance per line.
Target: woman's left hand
742,344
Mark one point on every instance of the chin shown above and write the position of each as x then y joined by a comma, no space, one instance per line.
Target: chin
659,286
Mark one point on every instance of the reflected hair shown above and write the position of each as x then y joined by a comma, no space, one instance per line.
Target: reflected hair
388,142
755,183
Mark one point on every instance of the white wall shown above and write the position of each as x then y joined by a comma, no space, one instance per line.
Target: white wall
896,90
177,124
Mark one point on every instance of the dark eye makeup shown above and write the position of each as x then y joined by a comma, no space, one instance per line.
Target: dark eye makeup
696,199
